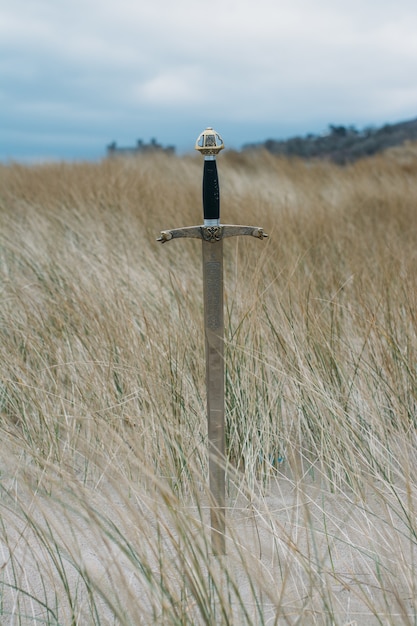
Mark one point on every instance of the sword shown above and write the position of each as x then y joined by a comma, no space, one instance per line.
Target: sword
212,232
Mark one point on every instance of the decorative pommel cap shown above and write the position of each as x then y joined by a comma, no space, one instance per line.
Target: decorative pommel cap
209,142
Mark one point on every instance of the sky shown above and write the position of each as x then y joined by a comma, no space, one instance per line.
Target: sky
76,75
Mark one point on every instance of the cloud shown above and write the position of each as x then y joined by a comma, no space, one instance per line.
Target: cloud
114,67
177,86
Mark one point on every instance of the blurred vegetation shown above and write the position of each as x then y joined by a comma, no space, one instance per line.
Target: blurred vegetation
343,144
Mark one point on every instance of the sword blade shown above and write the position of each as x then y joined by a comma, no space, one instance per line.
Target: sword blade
214,342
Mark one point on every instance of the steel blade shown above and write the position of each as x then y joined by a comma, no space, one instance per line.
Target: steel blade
214,343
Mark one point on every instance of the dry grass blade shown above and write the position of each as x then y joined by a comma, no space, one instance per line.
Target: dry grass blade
104,504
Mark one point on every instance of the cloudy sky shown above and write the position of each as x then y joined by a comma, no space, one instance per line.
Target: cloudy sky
76,75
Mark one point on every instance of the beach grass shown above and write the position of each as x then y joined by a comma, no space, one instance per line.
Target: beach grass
104,501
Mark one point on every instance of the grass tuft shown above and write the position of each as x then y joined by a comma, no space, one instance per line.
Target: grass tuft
104,502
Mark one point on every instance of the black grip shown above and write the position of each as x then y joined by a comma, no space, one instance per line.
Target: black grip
211,191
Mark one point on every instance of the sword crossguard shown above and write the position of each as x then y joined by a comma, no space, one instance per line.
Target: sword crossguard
212,233
165,236
209,143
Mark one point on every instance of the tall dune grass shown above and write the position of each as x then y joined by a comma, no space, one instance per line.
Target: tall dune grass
104,503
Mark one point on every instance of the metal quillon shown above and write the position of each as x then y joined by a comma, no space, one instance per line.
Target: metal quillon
212,233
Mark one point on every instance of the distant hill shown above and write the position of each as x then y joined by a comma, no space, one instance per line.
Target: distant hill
342,144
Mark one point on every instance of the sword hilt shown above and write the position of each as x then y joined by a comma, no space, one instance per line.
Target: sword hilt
209,143
211,190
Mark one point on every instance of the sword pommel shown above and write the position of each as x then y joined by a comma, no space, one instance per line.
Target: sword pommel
209,143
